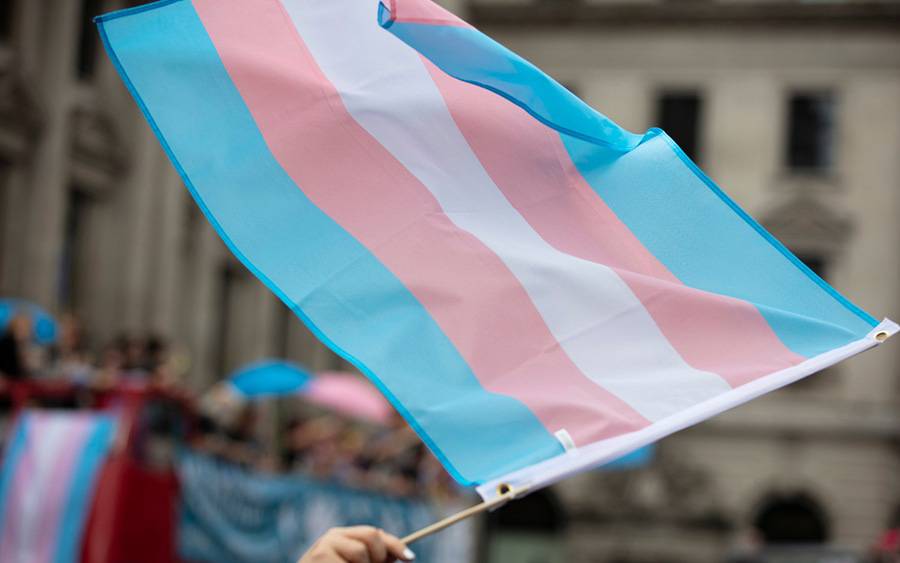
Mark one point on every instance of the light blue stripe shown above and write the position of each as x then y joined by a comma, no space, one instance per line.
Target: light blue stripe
84,481
340,290
672,207
269,378
15,449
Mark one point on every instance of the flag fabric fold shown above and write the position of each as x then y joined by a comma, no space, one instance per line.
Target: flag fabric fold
536,290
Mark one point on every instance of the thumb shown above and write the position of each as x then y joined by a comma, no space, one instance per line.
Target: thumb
396,547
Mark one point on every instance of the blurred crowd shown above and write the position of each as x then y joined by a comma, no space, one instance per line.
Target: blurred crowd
301,438
141,360
389,459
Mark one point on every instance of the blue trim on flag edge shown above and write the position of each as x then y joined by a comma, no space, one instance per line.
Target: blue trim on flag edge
74,516
445,461
777,244
133,10
387,21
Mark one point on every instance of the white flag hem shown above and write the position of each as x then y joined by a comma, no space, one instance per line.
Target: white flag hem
577,460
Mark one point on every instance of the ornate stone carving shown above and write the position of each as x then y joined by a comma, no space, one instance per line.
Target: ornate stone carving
807,224
98,155
20,116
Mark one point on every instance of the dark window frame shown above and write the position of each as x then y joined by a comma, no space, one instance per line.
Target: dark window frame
810,131
793,519
7,20
72,261
818,262
88,40
680,113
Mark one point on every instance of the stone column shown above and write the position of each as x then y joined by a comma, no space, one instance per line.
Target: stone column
28,36
13,170
137,232
12,215
199,303
265,321
48,174
168,235
741,135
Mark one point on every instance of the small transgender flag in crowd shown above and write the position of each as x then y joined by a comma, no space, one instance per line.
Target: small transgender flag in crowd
47,482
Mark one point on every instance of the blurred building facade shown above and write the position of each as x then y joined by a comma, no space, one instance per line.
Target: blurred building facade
792,106
94,219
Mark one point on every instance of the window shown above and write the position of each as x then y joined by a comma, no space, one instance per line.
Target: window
679,115
87,42
74,258
817,262
530,530
810,142
793,519
7,14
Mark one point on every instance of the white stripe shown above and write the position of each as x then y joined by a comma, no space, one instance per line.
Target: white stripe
48,434
596,318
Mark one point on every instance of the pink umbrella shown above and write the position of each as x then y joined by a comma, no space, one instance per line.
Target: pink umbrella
349,394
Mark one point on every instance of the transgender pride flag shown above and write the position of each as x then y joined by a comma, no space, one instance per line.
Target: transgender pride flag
537,290
47,480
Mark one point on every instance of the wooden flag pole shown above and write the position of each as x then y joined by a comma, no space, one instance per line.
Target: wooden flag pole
507,494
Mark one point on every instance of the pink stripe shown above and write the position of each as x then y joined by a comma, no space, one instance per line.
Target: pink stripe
465,287
529,163
52,499
424,12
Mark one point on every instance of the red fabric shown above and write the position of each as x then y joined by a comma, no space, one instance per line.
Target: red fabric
890,540
133,517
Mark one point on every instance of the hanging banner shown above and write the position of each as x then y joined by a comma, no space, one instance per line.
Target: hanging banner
231,515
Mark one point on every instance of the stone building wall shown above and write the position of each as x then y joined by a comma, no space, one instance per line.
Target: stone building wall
94,219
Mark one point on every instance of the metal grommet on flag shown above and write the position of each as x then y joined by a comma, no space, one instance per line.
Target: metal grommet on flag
882,335
505,494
